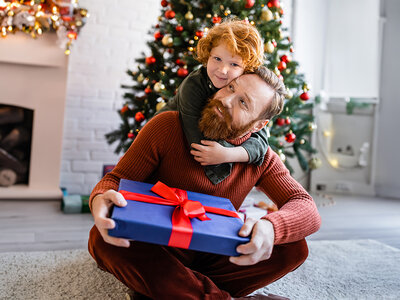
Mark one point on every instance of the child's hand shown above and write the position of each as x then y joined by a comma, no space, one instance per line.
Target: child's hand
209,153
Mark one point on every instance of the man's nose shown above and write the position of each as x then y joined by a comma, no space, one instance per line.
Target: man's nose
227,101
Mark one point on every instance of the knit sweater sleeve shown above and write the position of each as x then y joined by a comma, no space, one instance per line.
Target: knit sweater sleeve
297,215
143,156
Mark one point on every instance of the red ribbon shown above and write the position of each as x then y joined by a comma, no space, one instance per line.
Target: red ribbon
185,210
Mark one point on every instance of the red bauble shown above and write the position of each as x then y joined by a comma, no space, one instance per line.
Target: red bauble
305,96
150,60
180,62
216,20
280,122
139,117
273,3
169,14
199,33
274,43
147,90
130,135
281,66
182,72
287,121
124,109
290,137
179,28
164,3
249,3
285,58
158,36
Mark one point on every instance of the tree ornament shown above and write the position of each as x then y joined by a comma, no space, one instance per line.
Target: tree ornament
306,87
180,62
288,121
199,33
302,141
147,90
208,16
282,157
290,137
160,105
289,94
158,87
269,47
164,3
304,96
131,135
273,3
227,12
312,126
124,109
274,43
179,28
139,117
249,3
216,19
167,40
314,163
182,72
189,15
140,77
150,60
266,15
280,121
169,14
285,58
281,66
158,35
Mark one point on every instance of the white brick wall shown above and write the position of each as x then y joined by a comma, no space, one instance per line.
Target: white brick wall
115,34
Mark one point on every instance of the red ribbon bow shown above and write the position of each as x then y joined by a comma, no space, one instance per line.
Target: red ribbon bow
185,210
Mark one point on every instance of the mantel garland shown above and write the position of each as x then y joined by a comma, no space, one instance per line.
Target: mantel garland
38,16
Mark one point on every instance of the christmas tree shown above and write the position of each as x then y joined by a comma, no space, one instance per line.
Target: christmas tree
173,44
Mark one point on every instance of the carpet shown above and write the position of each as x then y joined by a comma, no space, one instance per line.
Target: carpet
355,269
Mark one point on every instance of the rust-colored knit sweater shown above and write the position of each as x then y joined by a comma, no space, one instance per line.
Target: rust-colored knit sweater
160,152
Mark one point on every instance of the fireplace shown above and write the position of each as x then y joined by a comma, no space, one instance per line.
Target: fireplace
33,76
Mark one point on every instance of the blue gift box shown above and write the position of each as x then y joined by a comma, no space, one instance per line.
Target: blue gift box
148,222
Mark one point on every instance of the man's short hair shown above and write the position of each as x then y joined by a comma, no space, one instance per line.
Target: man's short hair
278,98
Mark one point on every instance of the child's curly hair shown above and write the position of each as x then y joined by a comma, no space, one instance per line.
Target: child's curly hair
240,37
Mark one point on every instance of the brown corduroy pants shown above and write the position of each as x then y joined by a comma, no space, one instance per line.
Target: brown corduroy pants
161,272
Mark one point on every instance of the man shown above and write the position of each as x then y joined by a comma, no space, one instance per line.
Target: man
160,153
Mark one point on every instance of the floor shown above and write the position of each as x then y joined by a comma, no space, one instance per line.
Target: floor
41,225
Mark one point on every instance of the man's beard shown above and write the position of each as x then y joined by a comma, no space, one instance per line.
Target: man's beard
215,127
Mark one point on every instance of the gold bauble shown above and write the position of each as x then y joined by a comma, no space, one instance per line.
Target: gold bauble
314,163
302,141
140,78
282,157
158,86
208,16
189,15
160,105
289,94
269,47
312,126
227,12
266,15
167,40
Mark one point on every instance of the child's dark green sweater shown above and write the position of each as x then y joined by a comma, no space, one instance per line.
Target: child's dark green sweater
191,98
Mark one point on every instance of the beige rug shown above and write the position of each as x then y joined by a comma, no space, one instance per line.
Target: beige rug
360,269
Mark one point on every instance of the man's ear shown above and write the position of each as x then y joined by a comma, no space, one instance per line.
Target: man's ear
258,125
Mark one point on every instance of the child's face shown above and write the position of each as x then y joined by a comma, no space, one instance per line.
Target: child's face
222,67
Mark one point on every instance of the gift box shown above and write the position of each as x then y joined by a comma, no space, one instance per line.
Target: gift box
184,219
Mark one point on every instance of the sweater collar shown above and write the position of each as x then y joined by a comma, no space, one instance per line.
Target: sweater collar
241,140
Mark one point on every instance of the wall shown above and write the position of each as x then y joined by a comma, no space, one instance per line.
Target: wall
388,162
114,35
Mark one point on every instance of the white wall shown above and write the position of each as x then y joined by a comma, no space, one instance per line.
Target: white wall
113,37
388,161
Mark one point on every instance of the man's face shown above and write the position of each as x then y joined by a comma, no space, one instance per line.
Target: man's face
234,110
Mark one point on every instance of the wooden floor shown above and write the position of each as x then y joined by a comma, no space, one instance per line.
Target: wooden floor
40,225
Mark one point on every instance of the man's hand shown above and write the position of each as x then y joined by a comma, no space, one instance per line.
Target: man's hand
101,205
260,246
213,153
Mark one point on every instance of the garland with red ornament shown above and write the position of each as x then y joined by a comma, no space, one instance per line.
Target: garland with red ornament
35,17
172,43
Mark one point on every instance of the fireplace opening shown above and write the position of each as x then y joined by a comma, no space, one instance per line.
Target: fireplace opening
15,144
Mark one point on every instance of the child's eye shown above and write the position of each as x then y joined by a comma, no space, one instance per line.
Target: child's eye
231,88
235,65
217,58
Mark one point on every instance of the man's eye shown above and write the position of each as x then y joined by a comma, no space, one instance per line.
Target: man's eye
242,102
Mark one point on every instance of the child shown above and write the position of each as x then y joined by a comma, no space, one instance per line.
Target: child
226,52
